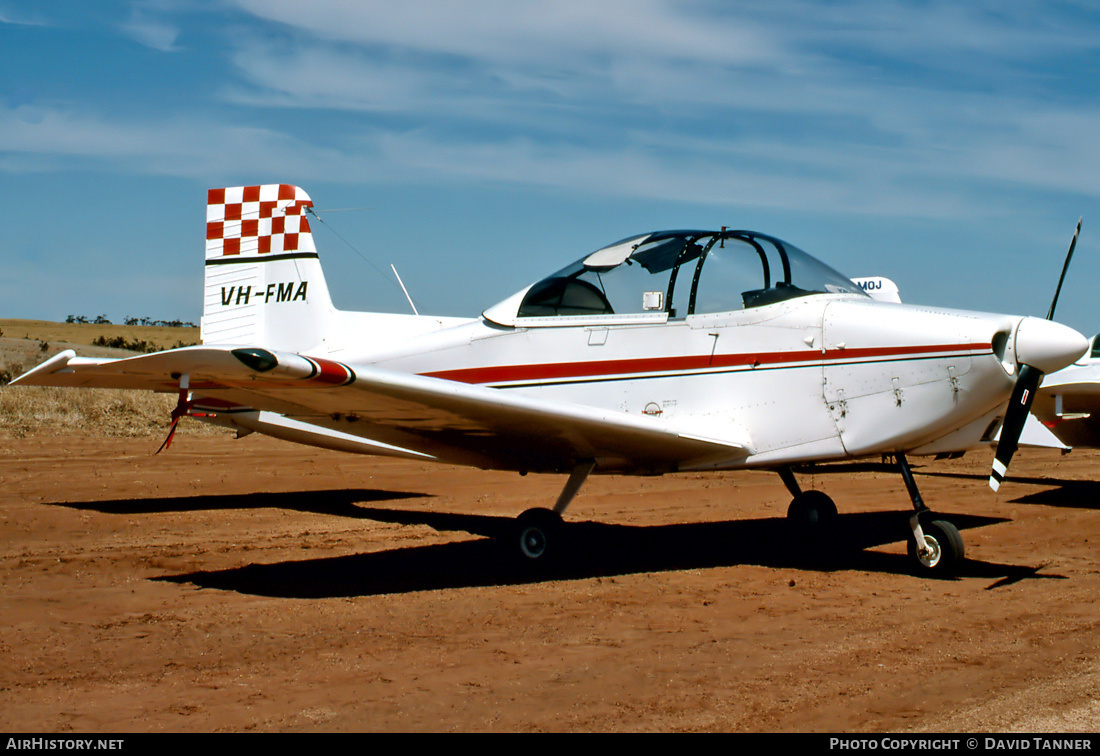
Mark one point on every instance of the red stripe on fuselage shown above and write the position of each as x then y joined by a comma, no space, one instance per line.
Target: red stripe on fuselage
606,368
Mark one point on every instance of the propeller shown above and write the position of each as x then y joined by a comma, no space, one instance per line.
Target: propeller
1042,346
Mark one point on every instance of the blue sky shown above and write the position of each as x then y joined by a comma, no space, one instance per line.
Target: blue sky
480,145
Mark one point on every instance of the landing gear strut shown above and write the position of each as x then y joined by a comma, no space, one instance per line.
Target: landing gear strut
810,511
537,532
936,547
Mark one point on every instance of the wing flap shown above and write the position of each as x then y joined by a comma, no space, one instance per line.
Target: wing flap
486,427
531,431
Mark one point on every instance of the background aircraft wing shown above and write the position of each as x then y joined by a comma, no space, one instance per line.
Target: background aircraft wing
450,421
1036,434
1068,402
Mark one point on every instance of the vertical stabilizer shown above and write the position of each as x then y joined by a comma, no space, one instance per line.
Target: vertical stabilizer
263,283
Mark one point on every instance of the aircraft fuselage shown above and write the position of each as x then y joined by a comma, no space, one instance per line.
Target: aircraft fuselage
812,378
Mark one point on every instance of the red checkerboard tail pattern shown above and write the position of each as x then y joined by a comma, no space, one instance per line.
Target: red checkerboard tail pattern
258,220
263,284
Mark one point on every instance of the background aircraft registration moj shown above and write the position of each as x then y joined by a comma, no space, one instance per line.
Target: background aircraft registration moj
664,352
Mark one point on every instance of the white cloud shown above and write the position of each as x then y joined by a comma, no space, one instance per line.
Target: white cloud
21,17
61,139
317,76
151,32
565,35
771,104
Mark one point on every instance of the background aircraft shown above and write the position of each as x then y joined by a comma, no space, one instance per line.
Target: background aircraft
663,352
1068,402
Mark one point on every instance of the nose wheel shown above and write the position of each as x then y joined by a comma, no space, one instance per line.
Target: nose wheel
936,547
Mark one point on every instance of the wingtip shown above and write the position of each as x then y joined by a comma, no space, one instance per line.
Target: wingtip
52,365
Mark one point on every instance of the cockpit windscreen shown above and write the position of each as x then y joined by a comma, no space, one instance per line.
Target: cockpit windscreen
684,273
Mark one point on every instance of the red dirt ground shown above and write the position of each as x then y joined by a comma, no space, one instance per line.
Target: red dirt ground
253,585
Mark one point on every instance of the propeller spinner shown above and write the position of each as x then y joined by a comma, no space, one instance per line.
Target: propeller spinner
1042,346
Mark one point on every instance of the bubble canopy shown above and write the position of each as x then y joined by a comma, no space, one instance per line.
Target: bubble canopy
673,274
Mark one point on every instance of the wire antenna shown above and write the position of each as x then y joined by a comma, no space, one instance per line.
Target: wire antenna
352,247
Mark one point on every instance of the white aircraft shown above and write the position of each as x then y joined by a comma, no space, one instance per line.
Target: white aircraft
664,352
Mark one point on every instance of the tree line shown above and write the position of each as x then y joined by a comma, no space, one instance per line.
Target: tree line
102,320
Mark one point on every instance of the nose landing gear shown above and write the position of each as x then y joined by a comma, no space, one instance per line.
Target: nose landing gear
936,547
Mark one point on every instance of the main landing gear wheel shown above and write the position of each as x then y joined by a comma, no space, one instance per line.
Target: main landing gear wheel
537,534
811,511
943,548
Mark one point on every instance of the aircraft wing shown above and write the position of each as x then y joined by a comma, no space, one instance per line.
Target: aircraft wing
446,420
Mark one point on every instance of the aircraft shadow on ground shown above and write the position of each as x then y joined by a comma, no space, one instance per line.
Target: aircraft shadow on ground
339,502
594,550
1068,494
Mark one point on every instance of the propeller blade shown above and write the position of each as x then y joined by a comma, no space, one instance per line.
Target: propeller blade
1065,267
1018,407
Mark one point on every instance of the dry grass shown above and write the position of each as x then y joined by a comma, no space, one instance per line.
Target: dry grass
85,333
43,410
